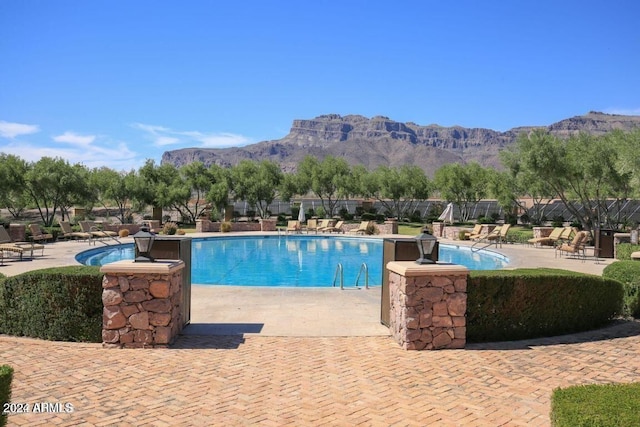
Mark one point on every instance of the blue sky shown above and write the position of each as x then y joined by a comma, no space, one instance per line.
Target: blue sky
115,83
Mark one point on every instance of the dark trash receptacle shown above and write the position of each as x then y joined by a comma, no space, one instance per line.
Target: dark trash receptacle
604,243
397,249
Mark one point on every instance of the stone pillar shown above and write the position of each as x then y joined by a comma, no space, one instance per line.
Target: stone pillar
393,225
428,305
141,303
438,228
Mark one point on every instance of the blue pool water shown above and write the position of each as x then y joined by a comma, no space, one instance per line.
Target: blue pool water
300,261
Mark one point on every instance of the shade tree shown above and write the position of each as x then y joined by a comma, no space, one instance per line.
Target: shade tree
464,185
257,183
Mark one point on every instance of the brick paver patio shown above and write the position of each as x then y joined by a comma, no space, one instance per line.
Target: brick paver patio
274,381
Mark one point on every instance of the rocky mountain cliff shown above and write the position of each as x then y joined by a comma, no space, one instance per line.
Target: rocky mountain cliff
382,141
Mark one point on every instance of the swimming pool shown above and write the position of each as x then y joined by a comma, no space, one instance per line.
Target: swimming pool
298,261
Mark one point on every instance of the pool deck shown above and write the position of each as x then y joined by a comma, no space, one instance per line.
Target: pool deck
292,356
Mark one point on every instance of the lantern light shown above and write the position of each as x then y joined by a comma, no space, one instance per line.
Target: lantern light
426,242
144,242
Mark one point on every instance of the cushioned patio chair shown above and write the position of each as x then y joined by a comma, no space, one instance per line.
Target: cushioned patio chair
551,239
576,247
325,224
477,230
38,234
293,227
498,236
91,228
362,228
337,228
312,225
8,245
68,233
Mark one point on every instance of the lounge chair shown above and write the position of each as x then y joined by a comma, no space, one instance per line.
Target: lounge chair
312,225
576,247
325,224
293,227
8,245
362,228
68,233
94,230
477,230
498,236
485,235
38,234
550,239
334,229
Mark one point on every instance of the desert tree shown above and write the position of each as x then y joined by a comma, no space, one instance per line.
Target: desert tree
13,196
399,190
51,183
327,179
464,185
257,183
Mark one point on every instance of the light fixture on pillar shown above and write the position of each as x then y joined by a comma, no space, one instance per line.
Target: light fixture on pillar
426,242
144,242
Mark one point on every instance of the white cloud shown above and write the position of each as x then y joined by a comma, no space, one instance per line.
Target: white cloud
75,139
166,140
113,154
11,130
624,111
163,136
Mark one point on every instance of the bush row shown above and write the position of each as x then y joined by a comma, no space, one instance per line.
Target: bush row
65,303
61,304
628,273
505,305
6,375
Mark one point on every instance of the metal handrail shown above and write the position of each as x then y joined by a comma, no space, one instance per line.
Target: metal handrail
94,228
366,275
339,269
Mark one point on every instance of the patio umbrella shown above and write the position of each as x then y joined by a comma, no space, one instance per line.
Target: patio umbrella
301,216
447,214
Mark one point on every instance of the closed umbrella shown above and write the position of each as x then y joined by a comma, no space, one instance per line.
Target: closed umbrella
301,216
447,214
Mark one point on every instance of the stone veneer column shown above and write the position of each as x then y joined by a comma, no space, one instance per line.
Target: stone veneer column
428,305
141,303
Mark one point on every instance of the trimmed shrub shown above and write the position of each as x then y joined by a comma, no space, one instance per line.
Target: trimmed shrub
169,228
123,233
6,375
624,251
519,235
628,273
505,305
225,227
61,304
367,216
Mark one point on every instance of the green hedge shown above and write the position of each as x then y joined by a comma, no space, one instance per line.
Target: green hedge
628,273
506,305
62,304
6,375
603,405
624,251
521,235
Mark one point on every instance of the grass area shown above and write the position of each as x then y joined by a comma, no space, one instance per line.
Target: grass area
411,229
596,405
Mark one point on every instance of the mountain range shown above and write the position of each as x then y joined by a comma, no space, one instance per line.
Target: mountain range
381,141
